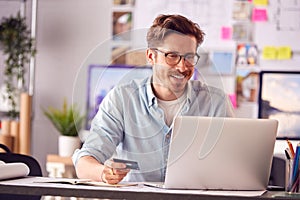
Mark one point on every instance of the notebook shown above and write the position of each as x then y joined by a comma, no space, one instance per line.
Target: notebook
220,153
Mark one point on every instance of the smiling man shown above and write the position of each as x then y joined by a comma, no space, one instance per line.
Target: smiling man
135,120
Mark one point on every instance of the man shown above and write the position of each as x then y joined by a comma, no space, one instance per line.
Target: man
135,120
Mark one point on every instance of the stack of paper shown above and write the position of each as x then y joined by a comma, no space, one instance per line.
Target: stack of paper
13,170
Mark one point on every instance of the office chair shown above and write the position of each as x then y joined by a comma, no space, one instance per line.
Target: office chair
32,163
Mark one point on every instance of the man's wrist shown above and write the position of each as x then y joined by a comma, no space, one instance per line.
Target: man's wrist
102,179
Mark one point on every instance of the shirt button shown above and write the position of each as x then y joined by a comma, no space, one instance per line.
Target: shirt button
168,136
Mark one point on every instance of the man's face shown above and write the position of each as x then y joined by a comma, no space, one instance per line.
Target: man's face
169,80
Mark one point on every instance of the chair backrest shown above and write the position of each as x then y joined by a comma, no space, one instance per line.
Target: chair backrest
31,162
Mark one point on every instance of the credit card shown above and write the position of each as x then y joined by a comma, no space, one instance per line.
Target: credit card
129,163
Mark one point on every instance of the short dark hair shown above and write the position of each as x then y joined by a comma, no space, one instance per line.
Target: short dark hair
163,25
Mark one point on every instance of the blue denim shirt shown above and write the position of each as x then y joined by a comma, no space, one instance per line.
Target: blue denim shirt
130,125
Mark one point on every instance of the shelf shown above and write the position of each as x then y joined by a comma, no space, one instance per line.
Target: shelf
121,41
3,114
254,68
122,8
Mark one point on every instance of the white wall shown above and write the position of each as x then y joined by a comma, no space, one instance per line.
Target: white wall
67,30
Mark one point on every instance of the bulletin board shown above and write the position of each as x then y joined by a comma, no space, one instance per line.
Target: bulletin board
211,15
282,26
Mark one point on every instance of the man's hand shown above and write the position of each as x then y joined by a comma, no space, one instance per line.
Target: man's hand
114,172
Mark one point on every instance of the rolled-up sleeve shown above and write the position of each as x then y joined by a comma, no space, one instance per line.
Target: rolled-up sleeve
106,131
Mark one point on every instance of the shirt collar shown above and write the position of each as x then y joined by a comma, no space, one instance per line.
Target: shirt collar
151,97
150,94
189,91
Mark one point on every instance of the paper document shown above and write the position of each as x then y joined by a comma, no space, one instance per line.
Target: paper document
13,170
85,182
159,187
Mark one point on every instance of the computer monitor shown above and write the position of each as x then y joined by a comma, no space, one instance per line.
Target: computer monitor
102,78
279,98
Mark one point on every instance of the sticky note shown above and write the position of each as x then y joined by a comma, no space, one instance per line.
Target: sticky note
232,98
223,62
284,53
260,2
226,33
269,53
259,15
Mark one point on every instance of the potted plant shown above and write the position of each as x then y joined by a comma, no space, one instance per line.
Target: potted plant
18,47
68,121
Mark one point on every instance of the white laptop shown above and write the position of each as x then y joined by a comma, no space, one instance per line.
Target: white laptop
220,153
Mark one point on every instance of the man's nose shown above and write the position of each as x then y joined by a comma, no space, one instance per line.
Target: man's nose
181,66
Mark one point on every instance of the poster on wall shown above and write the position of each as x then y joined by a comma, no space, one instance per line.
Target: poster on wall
247,85
246,54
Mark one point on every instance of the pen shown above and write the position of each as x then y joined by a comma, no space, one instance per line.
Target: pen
290,172
287,153
291,148
296,163
295,185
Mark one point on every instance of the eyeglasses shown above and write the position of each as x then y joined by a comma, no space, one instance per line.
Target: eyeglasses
173,58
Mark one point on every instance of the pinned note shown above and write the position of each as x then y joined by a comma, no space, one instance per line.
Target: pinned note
226,33
284,53
260,2
269,53
280,53
259,15
232,98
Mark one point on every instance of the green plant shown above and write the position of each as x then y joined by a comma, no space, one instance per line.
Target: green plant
67,121
18,47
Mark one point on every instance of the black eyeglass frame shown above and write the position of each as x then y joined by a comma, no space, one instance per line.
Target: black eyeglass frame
180,57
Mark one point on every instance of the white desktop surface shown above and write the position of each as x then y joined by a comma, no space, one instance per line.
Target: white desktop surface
36,181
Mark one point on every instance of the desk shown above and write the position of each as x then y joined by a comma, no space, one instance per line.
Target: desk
32,186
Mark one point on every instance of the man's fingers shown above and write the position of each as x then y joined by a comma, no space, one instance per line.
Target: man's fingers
113,171
108,163
120,171
113,176
113,179
115,165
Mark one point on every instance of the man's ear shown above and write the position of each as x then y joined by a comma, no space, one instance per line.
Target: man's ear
150,56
